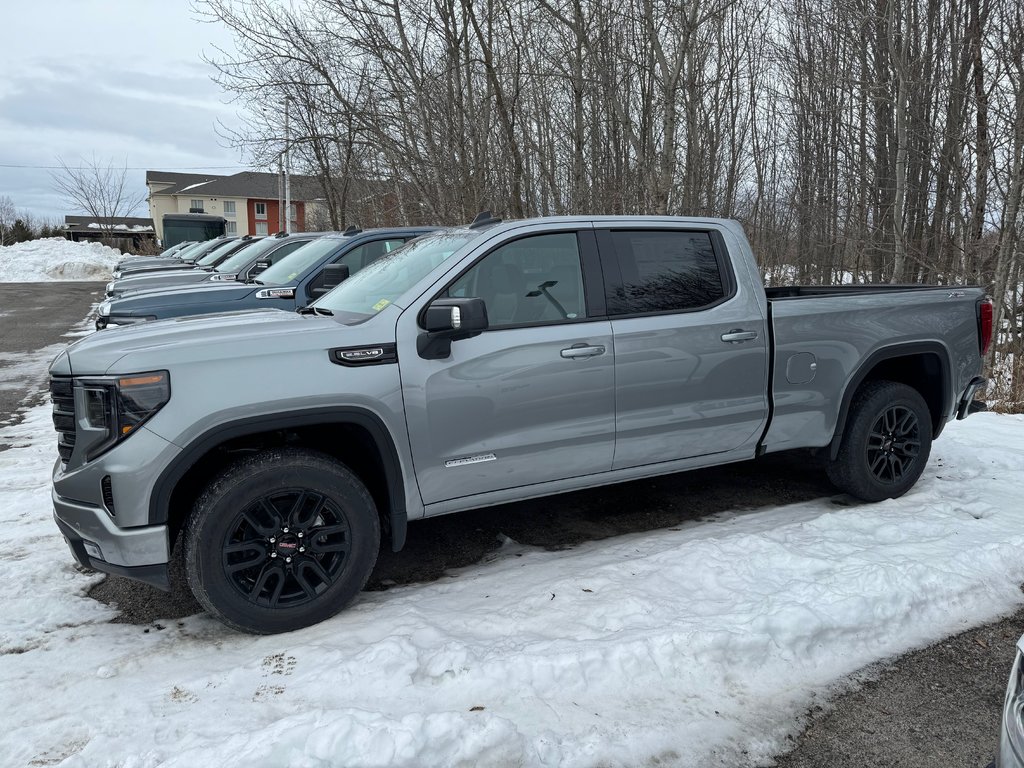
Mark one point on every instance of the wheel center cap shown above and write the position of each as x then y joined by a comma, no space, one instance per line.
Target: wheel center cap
287,545
887,444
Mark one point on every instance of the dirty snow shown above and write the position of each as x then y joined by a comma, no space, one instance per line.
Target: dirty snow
54,258
697,646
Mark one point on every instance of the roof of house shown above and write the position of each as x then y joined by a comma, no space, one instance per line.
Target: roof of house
178,179
120,223
249,184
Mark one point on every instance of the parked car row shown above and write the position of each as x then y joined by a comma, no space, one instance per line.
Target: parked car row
279,272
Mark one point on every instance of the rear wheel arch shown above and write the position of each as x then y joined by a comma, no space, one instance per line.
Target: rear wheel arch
924,366
356,437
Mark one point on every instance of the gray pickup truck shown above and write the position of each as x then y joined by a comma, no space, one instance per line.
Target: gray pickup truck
272,451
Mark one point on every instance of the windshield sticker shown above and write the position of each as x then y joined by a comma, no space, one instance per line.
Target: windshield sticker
381,304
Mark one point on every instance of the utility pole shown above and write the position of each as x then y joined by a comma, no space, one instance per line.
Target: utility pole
287,170
280,194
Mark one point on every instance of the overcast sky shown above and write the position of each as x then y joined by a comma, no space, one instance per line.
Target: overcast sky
118,79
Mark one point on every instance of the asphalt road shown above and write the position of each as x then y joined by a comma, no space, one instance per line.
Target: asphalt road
34,316
937,707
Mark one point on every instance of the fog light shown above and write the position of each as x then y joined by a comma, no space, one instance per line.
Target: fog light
92,549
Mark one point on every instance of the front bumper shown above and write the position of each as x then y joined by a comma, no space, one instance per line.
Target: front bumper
1011,731
96,542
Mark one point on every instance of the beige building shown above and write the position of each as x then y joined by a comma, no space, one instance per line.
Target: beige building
248,201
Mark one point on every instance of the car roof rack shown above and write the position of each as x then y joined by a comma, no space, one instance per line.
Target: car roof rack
351,229
483,219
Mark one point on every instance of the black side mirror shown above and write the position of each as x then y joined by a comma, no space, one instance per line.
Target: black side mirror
335,275
259,266
448,320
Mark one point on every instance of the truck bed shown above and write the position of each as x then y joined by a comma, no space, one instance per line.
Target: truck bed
803,291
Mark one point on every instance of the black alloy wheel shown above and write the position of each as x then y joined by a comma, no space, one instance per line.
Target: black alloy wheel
286,548
894,444
885,444
280,540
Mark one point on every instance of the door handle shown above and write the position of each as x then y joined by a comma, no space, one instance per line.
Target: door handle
738,335
577,351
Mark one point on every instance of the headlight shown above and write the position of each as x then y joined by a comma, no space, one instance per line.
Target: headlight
104,309
114,406
118,274
109,288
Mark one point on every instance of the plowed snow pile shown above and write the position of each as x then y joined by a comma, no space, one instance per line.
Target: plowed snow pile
39,261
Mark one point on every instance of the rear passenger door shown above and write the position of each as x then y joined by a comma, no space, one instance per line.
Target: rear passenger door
691,353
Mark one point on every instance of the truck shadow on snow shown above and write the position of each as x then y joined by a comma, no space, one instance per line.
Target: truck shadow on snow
437,545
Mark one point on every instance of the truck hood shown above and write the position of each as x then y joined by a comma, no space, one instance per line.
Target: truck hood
161,343
176,296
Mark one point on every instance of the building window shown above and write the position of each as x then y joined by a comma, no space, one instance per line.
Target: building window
229,207
196,206
261,211
231,228
261,226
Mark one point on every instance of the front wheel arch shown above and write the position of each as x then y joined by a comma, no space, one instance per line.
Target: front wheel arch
181,482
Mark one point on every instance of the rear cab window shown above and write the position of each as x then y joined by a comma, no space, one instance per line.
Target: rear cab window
664,271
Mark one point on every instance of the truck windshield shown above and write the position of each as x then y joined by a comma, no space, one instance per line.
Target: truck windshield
371,289
186,253
233,263
298,261
211,256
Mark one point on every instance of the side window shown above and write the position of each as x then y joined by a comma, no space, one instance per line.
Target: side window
368,253
278,254
664,271
535,279
357,258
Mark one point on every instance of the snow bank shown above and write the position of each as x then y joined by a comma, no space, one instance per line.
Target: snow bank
54,258
695,646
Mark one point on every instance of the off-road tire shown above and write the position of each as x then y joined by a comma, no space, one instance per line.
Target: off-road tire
886,442
276,495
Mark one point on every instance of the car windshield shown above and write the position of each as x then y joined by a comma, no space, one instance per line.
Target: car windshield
371,289
298,261
216,253
256,248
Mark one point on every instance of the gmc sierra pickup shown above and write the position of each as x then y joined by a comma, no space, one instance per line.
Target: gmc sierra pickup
272,451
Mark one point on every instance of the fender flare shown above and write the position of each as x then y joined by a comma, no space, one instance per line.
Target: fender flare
159,501
868,364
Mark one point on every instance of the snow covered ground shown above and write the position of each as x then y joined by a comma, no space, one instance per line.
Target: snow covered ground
698,646
56,259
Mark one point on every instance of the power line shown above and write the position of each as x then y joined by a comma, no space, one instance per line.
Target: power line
133,168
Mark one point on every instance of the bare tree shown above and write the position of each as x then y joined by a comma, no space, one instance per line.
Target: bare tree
99,190
7,217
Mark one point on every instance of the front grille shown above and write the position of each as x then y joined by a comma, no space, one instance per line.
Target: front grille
62,393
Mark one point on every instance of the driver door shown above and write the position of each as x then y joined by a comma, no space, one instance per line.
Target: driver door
531,399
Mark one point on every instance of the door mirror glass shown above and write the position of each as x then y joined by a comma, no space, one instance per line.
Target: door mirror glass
335,275
447,320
